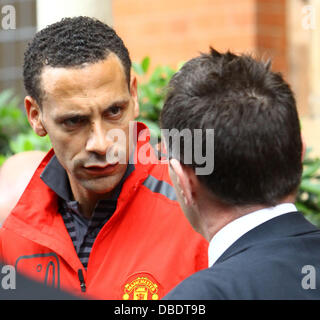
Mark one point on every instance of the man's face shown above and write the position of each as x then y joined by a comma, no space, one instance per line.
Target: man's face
80,106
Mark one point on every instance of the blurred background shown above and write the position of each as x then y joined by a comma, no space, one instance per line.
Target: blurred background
160,35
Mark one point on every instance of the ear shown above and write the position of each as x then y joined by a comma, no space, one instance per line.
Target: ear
134,95
183,180
34,114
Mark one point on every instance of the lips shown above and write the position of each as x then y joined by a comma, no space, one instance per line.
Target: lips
101,169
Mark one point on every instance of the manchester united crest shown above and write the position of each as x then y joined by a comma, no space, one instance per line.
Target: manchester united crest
141,286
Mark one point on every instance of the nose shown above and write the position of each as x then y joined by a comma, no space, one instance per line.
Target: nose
97,141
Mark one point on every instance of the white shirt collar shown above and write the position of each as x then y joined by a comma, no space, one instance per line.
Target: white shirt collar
230,233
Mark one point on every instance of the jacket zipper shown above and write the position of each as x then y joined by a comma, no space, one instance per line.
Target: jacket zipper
81,279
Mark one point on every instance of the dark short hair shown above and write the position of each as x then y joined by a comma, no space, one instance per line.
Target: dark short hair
257,142
70,43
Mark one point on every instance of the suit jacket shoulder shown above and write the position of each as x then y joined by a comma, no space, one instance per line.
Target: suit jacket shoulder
265,263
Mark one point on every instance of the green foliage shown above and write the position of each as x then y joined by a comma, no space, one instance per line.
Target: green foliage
13,121
29,141
16,134
151,93
308,200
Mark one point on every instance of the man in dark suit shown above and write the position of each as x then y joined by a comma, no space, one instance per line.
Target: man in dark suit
261,247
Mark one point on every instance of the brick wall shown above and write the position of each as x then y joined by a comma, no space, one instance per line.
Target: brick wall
170,31
271,32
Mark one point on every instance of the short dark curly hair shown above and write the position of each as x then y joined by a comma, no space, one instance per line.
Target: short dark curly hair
70,43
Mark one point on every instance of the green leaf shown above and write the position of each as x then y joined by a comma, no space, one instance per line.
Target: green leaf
311,169
5,97
303,208
145,63
3,158
29,141
137,68
156,74
308,186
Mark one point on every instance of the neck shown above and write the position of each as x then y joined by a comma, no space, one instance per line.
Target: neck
87,199
215,216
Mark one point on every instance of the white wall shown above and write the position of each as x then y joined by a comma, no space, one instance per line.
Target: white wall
50,11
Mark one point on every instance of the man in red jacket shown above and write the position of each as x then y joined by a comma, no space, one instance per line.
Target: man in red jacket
99,216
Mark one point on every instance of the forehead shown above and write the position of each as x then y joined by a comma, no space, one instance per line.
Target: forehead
82,81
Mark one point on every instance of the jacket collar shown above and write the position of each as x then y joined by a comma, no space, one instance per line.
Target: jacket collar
287,225
235,229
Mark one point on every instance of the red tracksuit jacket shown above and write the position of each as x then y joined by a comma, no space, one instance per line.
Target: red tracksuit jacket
144,250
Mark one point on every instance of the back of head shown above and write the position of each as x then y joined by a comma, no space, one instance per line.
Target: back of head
257,142
70,42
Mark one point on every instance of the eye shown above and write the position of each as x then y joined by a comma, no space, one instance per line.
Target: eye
114,111
73,122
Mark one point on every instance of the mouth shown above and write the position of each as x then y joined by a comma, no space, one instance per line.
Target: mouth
101,169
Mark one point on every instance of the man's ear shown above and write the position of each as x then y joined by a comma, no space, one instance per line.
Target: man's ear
134,94
183,180
34,116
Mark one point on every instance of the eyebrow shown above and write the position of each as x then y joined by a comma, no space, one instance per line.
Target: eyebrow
75,114
69,115
117,103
